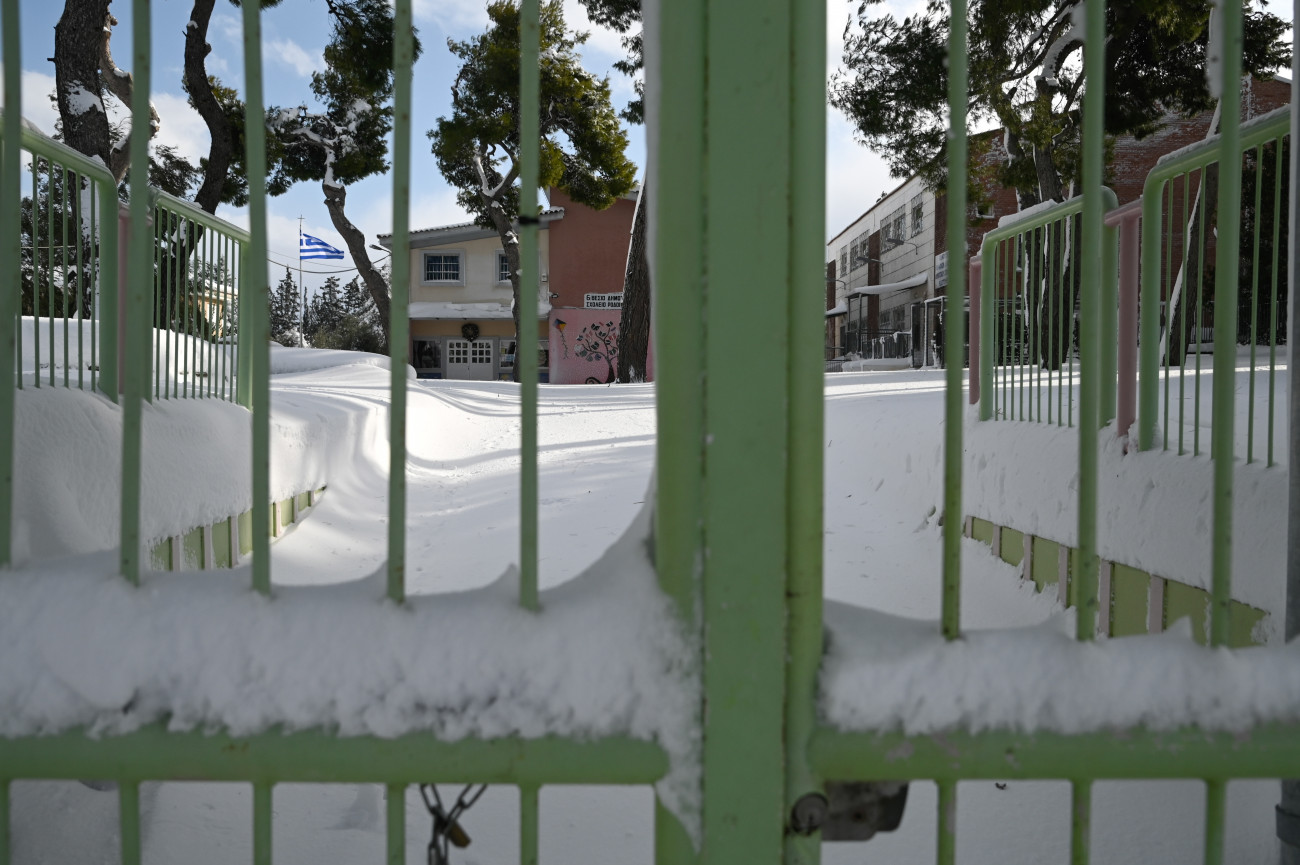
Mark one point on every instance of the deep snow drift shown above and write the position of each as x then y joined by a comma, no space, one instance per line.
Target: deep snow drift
882,551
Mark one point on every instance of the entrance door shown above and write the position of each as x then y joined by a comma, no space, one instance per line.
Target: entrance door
469,360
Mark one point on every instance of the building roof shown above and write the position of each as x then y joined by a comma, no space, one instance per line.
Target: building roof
455,230
890,287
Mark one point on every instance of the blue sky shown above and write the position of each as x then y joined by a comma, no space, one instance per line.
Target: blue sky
294,36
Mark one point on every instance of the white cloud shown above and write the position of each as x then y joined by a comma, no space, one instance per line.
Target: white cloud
605,44
181,126
36,105
458,18
855,177
289,53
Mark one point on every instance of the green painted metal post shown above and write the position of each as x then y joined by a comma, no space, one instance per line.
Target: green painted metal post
1094,295
262,820
954,332
805,471
395,808
1225,313
946,854
988,321
135,352
399,329
4,809
529,824
677,172
525,343
1216,808
1080,821
255,306
10,180
128,797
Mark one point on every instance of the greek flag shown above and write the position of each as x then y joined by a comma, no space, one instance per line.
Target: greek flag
313,247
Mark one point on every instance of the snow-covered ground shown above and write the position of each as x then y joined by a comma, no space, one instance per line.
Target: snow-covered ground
883,470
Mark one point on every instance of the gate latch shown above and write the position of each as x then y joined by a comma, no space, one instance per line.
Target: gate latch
857,810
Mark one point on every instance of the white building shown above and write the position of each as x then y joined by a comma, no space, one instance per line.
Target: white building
883,268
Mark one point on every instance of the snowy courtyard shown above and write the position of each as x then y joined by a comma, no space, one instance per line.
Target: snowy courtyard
882,551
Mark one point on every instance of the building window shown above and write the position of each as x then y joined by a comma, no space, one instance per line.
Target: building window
853,255
442,267
918,216
503,267
844,259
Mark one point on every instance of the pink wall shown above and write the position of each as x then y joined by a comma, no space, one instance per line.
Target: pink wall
585,346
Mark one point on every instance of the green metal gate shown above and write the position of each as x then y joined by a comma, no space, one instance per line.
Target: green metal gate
737,106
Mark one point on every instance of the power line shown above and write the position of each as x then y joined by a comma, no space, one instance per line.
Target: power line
293,265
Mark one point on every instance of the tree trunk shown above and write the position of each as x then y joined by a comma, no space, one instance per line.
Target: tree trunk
77,40
205,101
634,333
336,198
510,245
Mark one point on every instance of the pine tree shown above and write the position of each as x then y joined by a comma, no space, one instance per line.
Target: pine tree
285,306
326,310
582,146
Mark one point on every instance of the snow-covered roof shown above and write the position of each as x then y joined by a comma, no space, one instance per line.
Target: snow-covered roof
838,309
550,214
889,287
426,310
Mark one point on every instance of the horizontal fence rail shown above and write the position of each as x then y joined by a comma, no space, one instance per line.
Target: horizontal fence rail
1181,318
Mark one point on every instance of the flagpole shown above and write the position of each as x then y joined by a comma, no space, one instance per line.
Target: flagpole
302,321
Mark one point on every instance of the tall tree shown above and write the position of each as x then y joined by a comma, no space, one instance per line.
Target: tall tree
634,333
285,306
582,146
83,72
344,141
1026,73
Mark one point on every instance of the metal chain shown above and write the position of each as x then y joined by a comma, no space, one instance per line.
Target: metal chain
447,830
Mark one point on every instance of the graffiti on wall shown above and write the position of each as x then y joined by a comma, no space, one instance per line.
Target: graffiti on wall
584,346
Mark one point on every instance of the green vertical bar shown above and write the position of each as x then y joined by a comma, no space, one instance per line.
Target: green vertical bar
805,415
258,300
128,797
1080,814
63,264
526,344
106,309
399,344
1216,802
162,267
1110,325
528,819
49,271
955,321
1149,320
135,358
988,290
396,834
11,244
1225,330
947,851
1094,277
81,280
1274,299
679,335
674,182
244,339
4,807
746,522
261,817
1254,304
1200,322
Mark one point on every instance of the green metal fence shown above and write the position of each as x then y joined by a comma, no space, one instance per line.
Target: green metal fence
1029,290
67,220
1185,256
737,541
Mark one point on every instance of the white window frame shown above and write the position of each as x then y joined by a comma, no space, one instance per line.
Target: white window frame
917,209
503,267
458,254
